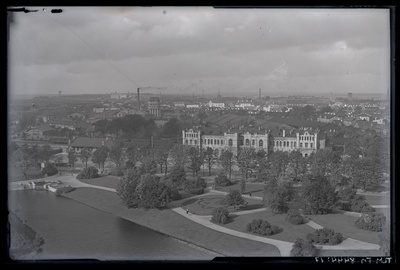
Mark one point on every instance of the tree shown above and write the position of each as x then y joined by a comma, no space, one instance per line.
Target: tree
172,128
319,196
127,186
161,157
277,196
57,160
152,193
297,164
323,162
226,162
45,152
221,180
303,248
100,156
279,163
149,165
365,173
116,155
88,173
177,176
195,160
209,158
49,170
220,215
246,162
234,198
72,157
85,155
179,154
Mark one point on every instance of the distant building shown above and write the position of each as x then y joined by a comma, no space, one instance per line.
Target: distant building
192,106
350,96
211,104
328,118
37,133
90,144
154,106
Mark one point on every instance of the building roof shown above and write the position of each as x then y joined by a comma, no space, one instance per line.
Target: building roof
88,142
42,128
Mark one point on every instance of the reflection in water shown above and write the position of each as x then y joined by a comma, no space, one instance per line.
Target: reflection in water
72,230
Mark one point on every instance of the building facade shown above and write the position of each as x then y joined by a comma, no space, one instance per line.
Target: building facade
304,141
154,106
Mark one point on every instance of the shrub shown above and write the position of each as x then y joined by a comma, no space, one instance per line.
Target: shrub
49,169
220,215
325,236
371,222
319,196
347,193
302,248
175,195
358,204
233,198
88,173
294,217
117,172
63,190
262,227
195,186
222,181
278,196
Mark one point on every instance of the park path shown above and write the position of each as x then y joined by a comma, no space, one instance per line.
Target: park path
284,247
67,180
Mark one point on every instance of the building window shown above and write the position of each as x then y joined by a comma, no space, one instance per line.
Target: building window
305,145
222,142
311,145
204,141
305,155
186,141
261,143
230,142
253,142
208,141
190,141
291,144
301,144
280,143
247,142
195,141
215,141
211,142
294,144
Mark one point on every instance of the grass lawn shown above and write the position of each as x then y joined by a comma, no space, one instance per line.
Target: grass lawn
256,189
205,205
171,223
290,232
109,181
345,225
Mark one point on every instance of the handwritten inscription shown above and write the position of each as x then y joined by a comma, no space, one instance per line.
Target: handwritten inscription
352,260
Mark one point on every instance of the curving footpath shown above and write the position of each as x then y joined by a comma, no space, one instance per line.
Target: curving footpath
284,247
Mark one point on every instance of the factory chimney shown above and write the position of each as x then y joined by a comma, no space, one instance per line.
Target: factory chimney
138,98
259,93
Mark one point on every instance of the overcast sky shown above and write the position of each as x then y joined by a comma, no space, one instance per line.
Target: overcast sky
186,50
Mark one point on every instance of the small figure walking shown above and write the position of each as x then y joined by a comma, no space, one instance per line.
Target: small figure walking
250,194
187,211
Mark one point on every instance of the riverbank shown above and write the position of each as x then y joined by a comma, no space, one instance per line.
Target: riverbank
170,223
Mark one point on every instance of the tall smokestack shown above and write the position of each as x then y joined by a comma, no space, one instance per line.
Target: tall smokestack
259,93
138,98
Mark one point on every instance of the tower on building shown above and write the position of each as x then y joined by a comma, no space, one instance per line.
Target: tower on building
154,106
350,96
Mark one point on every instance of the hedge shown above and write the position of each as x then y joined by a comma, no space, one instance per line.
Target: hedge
325,236
371,222
294,217
262,227
303,248
220,215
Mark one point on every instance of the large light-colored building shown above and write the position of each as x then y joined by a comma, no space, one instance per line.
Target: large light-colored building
305,141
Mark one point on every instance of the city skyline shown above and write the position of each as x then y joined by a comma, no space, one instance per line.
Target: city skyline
190,50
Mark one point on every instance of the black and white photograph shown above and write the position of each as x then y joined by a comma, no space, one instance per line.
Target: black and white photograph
193,133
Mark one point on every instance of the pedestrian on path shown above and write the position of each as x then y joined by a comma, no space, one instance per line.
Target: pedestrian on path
250,194
187,211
